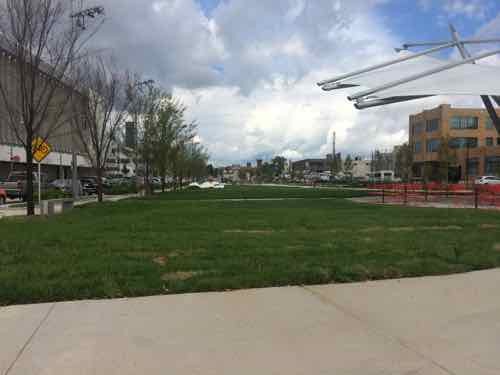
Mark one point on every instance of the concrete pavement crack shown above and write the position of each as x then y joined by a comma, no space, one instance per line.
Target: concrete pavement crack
376,330
30,339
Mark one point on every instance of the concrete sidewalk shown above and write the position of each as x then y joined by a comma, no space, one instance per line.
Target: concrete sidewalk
436,325
10,211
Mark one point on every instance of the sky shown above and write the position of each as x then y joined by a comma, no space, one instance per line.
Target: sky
247,70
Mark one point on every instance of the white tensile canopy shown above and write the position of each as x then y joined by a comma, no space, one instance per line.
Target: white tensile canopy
468,79
417,75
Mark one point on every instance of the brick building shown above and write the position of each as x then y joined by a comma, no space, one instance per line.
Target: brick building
471,136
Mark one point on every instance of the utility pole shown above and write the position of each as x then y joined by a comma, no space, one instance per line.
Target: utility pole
80,19
333,144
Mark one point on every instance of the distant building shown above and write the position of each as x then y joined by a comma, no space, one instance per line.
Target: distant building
232,173
311,165
361,168
259,163
469,132
120,163
131,134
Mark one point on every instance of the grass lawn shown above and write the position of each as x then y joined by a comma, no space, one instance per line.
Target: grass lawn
186,242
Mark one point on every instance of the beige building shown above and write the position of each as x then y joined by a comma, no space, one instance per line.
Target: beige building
62,140
473,142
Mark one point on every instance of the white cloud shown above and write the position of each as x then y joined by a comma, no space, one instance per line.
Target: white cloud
469,8
248,71
453,8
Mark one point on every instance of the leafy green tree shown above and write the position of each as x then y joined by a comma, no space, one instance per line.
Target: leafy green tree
447,158
348,166
336,164
169,127
278,164
403,162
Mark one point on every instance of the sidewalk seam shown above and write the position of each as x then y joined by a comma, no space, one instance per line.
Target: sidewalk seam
30,339
375,330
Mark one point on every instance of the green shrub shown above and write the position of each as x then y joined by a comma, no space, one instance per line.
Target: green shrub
52,194
120,190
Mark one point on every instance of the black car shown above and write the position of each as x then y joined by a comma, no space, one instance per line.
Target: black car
89,186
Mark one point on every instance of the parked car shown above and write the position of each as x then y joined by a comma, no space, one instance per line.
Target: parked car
3,197
89,185
15,186
206,185
487,180
66,186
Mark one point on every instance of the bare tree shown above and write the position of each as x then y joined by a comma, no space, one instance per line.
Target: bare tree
101,111
43,42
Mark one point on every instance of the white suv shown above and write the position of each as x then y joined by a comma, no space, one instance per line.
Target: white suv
488,180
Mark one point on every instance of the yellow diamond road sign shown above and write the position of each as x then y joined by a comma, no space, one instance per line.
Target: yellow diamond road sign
41,149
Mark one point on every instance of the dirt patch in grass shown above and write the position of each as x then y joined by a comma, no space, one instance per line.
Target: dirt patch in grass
140,254
402,229
496,246
262,231
161,260
392,273
488,226
180,275
410,228
372,229
446,227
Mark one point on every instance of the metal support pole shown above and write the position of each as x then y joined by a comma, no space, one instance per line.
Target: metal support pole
363,104
388,63
39,188
465,55
466,41
74,164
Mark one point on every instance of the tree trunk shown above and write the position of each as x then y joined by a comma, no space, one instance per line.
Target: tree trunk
148,182
28,187
99,186
163,178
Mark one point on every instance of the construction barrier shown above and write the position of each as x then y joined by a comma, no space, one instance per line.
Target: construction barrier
435,194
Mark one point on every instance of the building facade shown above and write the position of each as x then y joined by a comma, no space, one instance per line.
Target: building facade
361,168
63,140
470,141
311,165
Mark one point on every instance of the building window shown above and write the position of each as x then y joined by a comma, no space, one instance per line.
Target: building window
489,142
472,167
489,123
433,145
432,125
492,165
464,122
418,147
418,128
463,143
